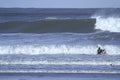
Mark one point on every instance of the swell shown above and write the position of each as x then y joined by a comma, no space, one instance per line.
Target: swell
49,26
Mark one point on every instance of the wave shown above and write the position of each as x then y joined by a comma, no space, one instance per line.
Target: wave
93,63
107,20
20,20
56,49
49,26
111,24
58,18
60,71
57,25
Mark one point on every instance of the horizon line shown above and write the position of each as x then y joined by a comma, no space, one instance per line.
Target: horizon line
64,8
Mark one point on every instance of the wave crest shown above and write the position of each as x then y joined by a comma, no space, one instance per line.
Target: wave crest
107,19
56,49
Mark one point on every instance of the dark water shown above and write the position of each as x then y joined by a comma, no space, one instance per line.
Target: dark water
49,26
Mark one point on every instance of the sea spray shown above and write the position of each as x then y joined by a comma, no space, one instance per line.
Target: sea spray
111,24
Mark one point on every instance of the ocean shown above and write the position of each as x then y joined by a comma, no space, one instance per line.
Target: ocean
51,40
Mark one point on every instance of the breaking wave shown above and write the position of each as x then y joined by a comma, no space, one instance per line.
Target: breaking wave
107,20
111,24
59,71
56,49
93,63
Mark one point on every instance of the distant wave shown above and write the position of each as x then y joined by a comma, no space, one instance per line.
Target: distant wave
56,49
35,20
107,20
55,25
49,26
111,24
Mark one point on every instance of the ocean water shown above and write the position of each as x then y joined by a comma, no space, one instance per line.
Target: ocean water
59,40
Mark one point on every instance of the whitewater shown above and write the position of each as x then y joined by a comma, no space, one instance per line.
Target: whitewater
59,53
55,49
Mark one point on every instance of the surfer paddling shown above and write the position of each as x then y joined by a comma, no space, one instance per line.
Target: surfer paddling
100,50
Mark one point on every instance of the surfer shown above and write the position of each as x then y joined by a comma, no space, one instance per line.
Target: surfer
101,50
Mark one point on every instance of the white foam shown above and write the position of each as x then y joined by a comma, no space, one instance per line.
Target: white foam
56,18
93,63
60,71
51,18
56,49
111,24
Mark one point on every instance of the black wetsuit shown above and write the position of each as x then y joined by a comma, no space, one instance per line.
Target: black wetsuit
99,51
